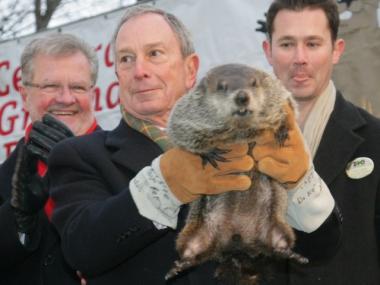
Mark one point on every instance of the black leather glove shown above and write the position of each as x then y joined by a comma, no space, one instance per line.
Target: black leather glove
29,191
45,134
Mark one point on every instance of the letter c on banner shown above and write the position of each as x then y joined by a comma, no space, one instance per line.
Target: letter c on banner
6,65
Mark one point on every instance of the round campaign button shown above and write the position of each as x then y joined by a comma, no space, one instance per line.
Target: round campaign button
360,167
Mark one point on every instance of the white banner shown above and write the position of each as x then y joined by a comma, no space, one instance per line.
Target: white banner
223,31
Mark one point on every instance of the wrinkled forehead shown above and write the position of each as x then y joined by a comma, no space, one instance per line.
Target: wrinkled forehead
155,30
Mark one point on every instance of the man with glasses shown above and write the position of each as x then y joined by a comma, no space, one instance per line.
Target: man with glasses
58,77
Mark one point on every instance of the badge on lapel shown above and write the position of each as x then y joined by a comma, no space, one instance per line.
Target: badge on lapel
360,167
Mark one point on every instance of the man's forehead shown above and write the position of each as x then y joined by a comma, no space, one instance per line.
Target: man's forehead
76,63
68,55
289,23
146,23
148,30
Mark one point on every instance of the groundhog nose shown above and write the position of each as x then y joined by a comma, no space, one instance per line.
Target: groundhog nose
242,98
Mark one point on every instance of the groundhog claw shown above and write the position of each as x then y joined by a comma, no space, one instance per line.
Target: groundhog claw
213,156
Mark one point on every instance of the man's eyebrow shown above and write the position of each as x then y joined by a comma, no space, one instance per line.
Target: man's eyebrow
154,44
291,38
125,50
314,37
286,38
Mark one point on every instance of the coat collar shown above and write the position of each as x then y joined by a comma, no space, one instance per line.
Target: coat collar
339,141
130,148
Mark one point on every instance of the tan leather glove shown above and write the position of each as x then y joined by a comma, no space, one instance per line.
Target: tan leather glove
188,179
287,163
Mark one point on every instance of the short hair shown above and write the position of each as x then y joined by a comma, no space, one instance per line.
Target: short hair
181,32
57,45
329,7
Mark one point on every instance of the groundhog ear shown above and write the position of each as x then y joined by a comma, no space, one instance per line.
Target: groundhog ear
260,78
202,86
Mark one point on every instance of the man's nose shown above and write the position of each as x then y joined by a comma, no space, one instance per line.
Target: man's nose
141,68
65,96
300,56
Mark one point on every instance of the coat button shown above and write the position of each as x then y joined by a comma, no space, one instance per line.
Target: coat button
134,229
127,234
49,259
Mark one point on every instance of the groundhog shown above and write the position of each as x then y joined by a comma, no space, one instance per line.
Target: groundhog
242,230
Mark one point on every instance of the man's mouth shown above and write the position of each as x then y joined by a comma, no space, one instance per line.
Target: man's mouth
145,90
300,79
63,112
300,76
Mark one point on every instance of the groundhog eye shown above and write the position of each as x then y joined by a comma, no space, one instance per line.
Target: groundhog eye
253,83
222,86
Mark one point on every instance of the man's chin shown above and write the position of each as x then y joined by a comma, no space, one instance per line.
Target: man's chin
302,93
303,97
150,109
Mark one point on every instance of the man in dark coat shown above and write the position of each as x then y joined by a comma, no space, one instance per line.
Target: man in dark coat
118,196
58,75
303,47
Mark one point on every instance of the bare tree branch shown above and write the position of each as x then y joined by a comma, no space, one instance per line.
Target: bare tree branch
43,17
20,17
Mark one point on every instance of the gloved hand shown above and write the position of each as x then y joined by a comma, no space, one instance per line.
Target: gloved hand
188,178
45,134
287,163
29,192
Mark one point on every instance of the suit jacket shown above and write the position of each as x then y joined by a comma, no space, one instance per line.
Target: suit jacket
18,265
350,133
103,234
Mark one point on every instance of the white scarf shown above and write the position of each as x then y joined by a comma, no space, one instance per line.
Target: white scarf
316,121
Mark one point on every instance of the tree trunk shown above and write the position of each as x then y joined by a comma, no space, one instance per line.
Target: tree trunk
43,19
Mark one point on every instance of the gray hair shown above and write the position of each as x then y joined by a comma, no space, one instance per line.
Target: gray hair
181,32
57,45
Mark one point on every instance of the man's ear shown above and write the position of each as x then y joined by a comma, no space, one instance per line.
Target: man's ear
267,50
339,47
93,94
192,66
23,93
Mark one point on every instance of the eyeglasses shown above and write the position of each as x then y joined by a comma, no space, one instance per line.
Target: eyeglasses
53,88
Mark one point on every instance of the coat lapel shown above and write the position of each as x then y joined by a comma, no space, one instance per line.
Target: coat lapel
130,148
339,141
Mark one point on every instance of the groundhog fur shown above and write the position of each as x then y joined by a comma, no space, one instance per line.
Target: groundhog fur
243,231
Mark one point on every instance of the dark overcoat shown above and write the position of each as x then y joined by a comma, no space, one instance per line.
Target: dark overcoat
350,133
